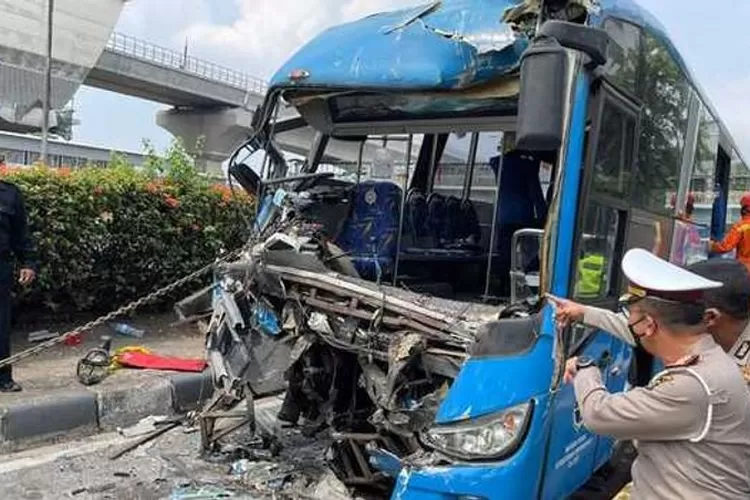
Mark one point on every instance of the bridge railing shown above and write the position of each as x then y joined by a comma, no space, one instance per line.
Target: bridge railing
147,51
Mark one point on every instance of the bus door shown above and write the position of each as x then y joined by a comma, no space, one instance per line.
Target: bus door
601,230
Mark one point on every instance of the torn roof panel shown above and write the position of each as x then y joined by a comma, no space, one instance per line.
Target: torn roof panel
435,46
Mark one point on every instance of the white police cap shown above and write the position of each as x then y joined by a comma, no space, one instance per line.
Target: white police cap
651,276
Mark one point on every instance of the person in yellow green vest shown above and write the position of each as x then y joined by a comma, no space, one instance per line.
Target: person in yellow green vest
591,268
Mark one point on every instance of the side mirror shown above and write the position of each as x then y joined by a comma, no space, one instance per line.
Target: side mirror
541,105
544,65
525,264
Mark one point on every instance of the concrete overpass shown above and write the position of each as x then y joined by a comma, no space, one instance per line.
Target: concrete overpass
142,69
208,101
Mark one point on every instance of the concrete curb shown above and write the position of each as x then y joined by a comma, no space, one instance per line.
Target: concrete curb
86,412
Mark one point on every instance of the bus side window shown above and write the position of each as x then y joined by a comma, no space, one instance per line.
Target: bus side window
594,266
604,209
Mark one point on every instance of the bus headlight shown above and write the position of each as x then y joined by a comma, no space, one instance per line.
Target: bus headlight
493,436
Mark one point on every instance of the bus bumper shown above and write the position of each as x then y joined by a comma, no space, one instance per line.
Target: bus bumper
464,483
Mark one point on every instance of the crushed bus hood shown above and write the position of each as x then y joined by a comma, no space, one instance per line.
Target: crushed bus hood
444,45
439,45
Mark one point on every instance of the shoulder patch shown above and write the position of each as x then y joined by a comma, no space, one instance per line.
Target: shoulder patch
741,350
661,379
745,373
688,361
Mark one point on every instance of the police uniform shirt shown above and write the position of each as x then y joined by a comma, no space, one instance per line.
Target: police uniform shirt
740,353
610,322
617,325
692,423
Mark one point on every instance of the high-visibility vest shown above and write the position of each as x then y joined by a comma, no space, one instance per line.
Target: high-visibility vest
590,276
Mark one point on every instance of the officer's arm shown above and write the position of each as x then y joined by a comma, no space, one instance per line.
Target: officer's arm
609,321
730,242
20,239
674,410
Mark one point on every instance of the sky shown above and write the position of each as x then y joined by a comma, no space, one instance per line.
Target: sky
256,36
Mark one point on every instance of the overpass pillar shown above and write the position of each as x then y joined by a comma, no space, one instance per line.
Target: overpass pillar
220,130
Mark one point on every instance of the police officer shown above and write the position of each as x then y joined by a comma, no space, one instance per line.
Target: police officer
692,423
728,311
729,308
14,241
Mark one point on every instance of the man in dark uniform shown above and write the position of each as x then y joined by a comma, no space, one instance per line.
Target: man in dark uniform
14,241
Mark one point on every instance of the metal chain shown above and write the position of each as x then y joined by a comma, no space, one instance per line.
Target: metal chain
127,309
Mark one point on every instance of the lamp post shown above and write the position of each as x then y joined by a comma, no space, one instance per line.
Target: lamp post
47,83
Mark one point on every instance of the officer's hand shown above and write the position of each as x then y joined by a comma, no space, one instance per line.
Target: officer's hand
27,276
571,369
566,311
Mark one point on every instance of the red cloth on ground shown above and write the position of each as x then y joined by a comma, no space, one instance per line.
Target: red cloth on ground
156,362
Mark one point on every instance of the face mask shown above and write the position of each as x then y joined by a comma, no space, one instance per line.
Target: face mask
636,336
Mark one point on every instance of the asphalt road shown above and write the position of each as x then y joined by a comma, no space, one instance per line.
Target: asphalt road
83,470
171,468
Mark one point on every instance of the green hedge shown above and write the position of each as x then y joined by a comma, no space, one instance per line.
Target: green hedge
108,235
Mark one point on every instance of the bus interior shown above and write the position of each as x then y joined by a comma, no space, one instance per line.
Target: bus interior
449,211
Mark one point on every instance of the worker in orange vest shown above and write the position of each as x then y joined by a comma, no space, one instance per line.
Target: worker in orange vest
738,237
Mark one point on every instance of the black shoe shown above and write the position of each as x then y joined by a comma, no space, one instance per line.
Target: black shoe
10,386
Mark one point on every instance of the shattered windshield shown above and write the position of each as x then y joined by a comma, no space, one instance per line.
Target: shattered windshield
434,214
369,289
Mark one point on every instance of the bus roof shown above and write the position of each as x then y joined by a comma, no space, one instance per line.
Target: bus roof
445,45
441,45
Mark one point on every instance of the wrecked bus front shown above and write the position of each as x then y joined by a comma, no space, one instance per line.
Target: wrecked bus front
490,431
394,283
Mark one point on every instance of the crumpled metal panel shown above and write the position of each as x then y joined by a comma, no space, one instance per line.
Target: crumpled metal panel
468,315
439,45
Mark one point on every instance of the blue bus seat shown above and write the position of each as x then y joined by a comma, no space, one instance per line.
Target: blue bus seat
369,235
425,234
415,221
470,227
437,219
453,228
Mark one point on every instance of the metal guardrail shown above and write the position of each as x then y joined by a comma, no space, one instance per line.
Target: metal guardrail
147,51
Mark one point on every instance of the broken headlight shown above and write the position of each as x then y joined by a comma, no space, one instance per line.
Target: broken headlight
491,437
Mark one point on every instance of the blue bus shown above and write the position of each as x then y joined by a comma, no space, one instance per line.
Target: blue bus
464,158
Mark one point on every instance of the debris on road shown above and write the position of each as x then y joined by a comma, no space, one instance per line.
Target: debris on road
42,335
73,340
127,330
95,365
163,428
240,467
144,426
142,358
204,493
329,487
